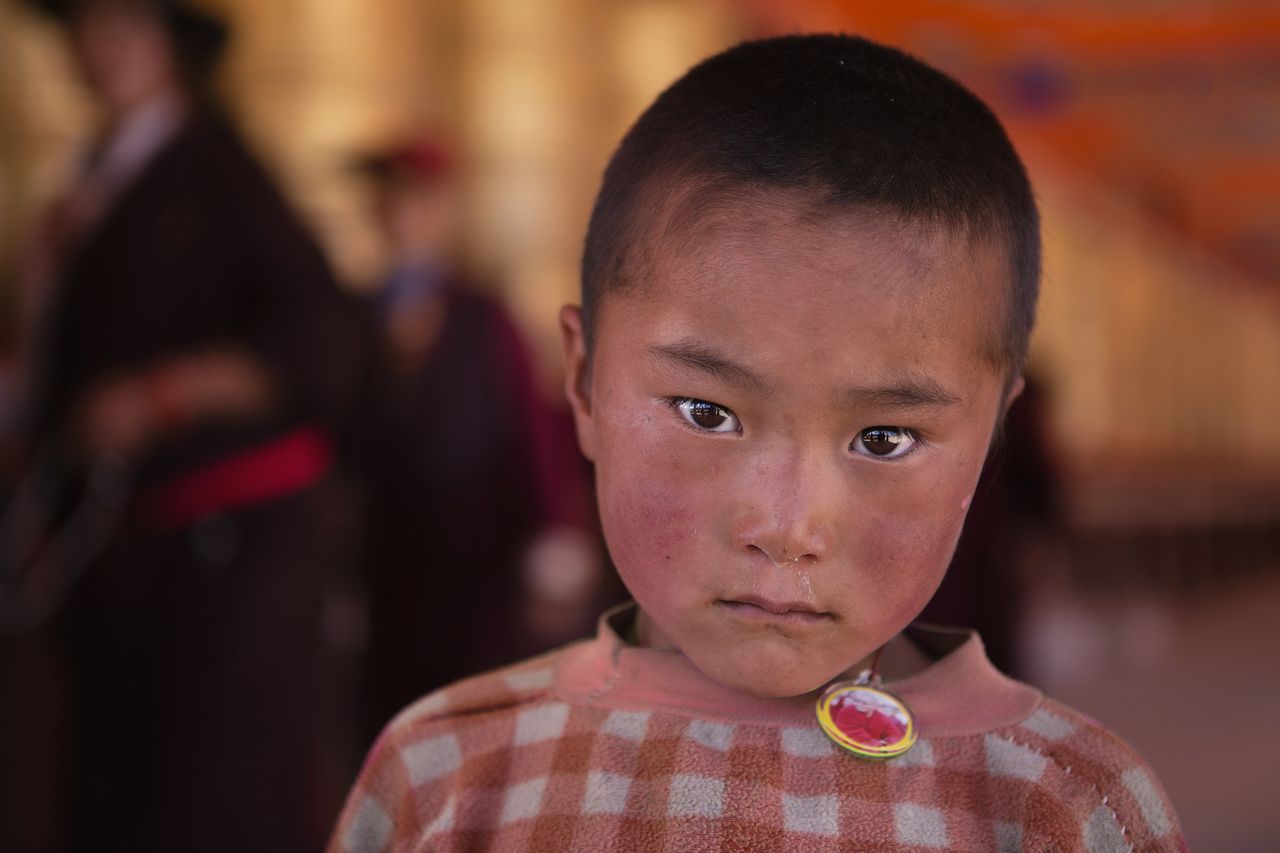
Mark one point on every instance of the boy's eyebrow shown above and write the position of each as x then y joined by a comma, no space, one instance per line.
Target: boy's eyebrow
911,392
703,359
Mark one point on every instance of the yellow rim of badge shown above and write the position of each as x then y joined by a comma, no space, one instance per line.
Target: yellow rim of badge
864,749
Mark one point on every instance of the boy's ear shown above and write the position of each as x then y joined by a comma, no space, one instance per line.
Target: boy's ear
1014,392
577,377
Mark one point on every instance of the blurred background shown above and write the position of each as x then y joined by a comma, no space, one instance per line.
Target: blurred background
1127,556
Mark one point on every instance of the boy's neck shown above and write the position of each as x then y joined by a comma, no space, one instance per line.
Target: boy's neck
901,658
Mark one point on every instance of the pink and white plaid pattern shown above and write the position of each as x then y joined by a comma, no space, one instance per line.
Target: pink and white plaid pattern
504,763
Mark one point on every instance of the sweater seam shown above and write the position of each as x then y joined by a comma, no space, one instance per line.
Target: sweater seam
1066,770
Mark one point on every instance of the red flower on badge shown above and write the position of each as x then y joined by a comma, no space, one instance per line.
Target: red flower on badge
868,726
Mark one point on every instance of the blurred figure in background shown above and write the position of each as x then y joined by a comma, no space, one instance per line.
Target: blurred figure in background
1013,535
187,328
480,542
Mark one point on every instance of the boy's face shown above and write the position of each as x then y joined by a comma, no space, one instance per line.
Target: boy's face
788,420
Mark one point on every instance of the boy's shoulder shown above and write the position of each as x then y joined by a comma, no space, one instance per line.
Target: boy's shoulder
1090,769
497,691
421,748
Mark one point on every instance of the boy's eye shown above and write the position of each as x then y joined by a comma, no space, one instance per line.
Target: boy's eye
885,442
707,416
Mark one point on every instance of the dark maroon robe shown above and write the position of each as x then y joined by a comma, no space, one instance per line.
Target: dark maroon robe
194,648
465,465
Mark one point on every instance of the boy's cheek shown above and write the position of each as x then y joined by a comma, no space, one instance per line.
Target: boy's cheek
900,559
652,520
650,515
658,510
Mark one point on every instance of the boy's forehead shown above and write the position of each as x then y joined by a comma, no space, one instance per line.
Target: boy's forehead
720,244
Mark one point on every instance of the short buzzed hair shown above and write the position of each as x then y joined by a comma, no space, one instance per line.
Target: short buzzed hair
852,126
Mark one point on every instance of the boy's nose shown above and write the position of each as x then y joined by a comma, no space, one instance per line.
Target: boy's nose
787,517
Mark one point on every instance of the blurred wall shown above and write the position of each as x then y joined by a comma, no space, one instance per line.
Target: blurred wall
43,117
532,97
1165,364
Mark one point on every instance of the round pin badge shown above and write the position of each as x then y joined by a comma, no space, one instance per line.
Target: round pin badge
869,722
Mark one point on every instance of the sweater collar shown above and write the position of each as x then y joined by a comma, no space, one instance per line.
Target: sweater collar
960,693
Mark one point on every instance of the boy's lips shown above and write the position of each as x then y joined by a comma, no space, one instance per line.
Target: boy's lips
764,609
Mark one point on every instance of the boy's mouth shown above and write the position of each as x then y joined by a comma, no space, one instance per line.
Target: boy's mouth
764,609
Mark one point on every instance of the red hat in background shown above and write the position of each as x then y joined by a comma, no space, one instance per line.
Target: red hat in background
423,158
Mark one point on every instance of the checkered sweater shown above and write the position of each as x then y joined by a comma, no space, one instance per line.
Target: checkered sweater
602,746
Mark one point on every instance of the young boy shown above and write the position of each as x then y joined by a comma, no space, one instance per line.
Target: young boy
808,285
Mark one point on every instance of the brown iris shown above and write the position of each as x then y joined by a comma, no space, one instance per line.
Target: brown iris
706,415
882,441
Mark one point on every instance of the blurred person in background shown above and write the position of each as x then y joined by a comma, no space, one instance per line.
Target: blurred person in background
186,330
1013,535
480,542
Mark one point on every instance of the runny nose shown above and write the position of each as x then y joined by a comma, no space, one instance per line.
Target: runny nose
781,556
